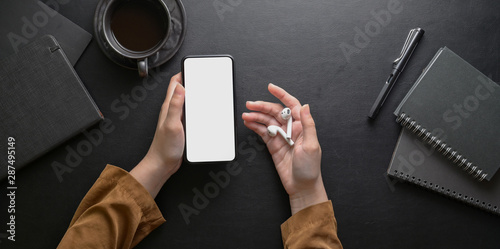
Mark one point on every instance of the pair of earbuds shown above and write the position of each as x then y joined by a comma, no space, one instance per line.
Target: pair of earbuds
273,130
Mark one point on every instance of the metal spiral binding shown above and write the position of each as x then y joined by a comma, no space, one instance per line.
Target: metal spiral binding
441,146
447,192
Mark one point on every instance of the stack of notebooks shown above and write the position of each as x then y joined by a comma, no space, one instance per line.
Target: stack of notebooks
450,142
42,100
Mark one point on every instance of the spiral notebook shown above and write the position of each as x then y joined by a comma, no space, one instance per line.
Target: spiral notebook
456,109
417,162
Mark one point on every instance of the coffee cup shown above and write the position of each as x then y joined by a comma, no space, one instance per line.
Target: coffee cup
133,30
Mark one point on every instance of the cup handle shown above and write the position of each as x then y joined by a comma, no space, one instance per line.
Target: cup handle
142,67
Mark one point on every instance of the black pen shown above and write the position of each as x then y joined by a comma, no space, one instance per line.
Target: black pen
397,68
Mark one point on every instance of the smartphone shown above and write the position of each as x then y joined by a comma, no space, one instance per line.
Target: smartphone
209,109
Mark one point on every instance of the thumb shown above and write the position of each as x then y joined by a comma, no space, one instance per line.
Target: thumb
175,108
308,126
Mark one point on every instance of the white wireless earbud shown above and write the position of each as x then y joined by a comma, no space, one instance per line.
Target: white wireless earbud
286,114
273,130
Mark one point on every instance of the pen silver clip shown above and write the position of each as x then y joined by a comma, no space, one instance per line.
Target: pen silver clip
412,33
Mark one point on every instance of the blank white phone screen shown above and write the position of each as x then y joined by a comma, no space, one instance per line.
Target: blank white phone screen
209,109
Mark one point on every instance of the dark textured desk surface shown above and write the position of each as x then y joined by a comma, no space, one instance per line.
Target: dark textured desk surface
295,44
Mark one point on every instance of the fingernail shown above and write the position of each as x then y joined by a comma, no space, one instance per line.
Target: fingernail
307,109
178,90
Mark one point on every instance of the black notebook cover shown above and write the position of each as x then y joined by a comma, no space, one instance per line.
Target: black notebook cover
417,162
23,21
43,102
456,109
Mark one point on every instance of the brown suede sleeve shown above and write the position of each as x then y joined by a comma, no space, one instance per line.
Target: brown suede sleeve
312,227
117,212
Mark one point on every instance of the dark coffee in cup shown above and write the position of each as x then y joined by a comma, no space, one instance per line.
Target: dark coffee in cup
139,25
133,30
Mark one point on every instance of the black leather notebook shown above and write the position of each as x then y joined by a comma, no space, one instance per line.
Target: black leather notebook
456,109
43,102
417,162
23,21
